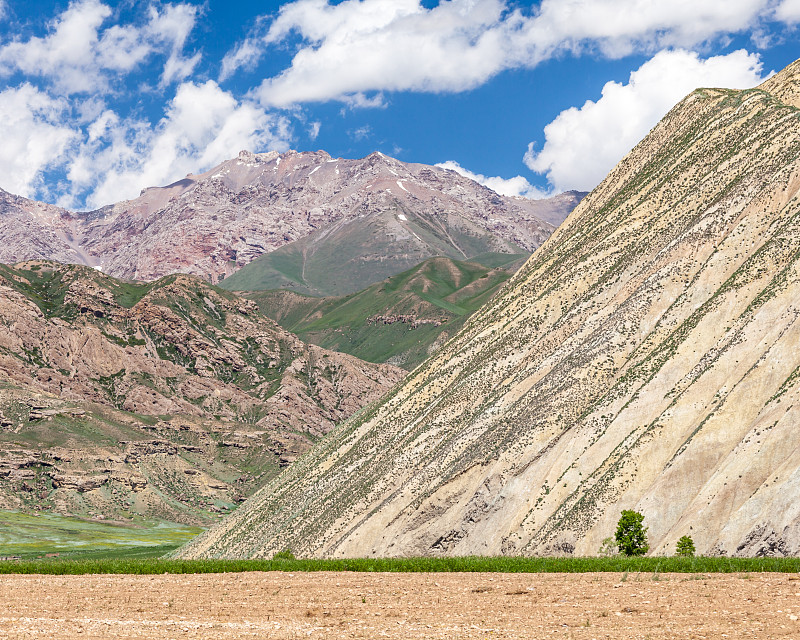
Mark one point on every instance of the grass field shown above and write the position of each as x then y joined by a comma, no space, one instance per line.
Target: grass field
37,536
649,565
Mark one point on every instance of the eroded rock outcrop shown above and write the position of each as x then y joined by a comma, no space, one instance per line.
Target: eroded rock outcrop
161,378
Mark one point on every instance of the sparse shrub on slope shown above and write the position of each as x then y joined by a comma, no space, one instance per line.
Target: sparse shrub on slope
608,548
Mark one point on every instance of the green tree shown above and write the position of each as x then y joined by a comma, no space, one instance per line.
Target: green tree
631,536
685,547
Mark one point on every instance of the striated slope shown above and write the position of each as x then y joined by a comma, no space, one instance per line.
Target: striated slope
401,320
178,350
645,357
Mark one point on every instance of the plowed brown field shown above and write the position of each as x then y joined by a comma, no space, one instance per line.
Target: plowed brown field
401,605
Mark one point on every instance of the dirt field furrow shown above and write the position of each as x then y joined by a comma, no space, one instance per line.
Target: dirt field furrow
401,605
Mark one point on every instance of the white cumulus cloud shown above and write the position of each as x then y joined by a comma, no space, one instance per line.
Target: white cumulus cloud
34,137
583,144
203,126
78,55
620,27
359,47
516,186
788,11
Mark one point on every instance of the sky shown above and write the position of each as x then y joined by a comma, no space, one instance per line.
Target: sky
100,99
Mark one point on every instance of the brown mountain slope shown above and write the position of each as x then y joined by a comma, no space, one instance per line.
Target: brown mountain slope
179,351
216,222
645,357
32,230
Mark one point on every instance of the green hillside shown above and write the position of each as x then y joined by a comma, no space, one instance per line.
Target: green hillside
357,253
421,309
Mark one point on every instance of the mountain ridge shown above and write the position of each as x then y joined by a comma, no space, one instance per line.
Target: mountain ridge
401,320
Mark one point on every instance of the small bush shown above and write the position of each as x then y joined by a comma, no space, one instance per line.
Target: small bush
286,554
608,548
685,547
631,536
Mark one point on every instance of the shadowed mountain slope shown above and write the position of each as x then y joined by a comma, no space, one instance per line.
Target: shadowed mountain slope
354,253
644,358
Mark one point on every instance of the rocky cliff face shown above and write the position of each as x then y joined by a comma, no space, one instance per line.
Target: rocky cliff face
644,358
33,230
214,223
179,350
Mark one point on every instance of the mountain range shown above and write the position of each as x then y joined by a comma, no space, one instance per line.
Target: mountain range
385,215
164,397
645,357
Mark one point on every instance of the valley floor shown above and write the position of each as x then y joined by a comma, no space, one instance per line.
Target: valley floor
401,605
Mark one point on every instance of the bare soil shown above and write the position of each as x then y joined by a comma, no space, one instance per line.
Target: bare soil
401,605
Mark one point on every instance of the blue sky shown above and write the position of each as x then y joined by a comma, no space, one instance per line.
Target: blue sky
99,99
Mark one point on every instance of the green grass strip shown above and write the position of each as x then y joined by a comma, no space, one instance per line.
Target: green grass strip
395,565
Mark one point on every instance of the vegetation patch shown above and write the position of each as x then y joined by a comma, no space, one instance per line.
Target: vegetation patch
284,562
399,320
36,536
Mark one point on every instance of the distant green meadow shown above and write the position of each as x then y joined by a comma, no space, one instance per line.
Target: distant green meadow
650,568
31,537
